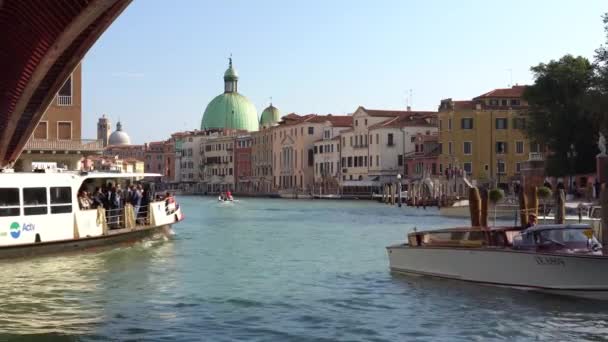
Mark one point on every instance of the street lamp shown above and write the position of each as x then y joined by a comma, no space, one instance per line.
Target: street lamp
399,187
571,154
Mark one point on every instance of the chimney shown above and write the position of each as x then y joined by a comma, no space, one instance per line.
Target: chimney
409,109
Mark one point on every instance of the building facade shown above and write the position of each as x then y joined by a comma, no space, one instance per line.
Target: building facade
243,164
293,149
484,137
57,139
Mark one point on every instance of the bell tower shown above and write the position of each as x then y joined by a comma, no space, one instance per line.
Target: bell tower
104,128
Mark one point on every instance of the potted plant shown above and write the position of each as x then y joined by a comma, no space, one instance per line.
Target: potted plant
495,196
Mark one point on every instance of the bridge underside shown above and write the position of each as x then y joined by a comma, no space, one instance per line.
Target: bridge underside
42,41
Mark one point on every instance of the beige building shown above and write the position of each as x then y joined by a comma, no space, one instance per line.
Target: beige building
293,148
261,155
218,162
327,164
372,151
57,140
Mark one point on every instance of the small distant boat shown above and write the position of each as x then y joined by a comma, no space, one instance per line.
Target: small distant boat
461,209
558,259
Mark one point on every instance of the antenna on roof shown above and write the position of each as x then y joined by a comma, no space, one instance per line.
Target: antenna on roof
271,101
411,98
510,77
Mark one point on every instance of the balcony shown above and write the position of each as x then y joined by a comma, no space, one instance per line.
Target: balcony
85,145
536,156
63,100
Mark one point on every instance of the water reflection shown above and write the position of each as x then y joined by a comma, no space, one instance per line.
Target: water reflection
68,294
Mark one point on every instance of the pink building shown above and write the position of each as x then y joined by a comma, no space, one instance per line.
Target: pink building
423,162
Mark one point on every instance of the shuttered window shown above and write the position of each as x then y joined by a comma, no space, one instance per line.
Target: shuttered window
41,130
64,131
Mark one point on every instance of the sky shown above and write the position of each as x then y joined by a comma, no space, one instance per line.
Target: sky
160,63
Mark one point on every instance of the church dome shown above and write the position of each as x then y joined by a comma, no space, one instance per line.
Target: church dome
230,110
270,116
119,137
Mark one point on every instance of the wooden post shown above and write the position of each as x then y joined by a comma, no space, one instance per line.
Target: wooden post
604,225
483,221
474,206
392,194
523,208
560,207
533,200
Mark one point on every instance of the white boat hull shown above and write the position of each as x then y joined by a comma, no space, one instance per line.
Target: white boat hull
572,275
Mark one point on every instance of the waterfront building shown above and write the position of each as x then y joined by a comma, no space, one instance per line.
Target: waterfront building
261,151
57,139
126,151
485,136
327,164
230,110
113,164
159,157
372,151
243,163
218,162
293,148
188,159
423,162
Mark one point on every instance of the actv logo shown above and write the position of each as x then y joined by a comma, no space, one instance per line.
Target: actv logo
15,230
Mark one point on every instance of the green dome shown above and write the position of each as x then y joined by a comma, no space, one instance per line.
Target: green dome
230,111
270,116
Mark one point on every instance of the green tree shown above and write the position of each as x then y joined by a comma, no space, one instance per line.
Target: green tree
560,114
599,96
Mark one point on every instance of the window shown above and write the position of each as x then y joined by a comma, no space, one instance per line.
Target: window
501,147
61,200
519,147
503,102
449,124
316,149
467,147
534,148
343,141
64,95
519,123
350,161
343,161
377,138
377,160
450,148
311,157
500,167
517,167
34,201
9,202
351,141
515,102
434,169
356,122
311,130
501,123
466,123
468,168
493,102
390,140
64,130
41,131
365,122
400,160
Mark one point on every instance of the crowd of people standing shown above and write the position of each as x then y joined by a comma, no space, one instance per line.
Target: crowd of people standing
113,198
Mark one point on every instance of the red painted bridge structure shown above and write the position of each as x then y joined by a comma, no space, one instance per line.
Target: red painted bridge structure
41,43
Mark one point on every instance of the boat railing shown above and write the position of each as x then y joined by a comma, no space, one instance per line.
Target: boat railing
117,218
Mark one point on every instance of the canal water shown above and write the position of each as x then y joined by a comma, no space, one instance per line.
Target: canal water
282,270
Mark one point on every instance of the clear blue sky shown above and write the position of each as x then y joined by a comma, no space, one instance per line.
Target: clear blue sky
161,62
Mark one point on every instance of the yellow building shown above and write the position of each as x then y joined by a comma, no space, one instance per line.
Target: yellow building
485,136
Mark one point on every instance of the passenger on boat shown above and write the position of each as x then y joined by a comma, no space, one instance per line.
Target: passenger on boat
99,198
83,200
532,220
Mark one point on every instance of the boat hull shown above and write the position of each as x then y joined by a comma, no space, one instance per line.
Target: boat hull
571,275
503,213
65,246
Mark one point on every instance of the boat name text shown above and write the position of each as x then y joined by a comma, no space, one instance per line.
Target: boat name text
550,261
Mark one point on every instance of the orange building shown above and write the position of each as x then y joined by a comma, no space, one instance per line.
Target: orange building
57,140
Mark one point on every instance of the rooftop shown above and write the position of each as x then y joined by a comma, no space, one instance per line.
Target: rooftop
514,91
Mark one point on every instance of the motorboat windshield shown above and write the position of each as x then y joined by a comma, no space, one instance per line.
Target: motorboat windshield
577,239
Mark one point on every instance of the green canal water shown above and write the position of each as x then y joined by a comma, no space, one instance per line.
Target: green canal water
274,270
